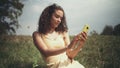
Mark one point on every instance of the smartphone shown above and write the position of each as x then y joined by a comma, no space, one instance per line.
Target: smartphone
86,28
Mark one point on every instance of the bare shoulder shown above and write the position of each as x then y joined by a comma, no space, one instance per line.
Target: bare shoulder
35,34
66,38
36,37
65,34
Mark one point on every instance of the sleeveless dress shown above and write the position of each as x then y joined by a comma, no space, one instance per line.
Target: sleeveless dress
60,60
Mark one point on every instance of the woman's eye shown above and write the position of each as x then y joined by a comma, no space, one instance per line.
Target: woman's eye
57,16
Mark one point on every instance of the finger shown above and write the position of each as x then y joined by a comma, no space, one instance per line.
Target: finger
84,35
79,37
83,38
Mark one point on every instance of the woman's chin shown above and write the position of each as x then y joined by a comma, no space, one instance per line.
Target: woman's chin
56,26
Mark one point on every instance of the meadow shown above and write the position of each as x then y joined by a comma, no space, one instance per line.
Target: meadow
98,52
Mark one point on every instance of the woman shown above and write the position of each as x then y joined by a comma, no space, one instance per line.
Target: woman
52,39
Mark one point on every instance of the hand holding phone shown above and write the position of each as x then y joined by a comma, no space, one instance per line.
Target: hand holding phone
76,47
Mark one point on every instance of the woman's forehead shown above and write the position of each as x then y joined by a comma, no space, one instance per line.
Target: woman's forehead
59,12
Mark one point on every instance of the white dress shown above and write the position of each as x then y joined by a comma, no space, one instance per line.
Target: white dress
61,60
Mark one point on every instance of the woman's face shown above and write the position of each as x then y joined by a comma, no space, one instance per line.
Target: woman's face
56,18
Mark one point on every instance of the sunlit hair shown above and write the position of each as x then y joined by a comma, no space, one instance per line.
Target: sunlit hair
44,21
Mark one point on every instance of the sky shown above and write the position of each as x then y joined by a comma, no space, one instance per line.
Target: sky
96,13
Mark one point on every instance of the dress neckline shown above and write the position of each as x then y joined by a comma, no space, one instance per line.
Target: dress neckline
52,36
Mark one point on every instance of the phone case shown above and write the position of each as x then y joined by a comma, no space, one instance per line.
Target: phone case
86,28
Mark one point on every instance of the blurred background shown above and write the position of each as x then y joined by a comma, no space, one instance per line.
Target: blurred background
99,14
19,19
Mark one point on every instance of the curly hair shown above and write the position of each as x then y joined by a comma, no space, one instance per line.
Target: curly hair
44,20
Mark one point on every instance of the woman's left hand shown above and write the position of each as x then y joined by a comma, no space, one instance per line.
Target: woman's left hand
80,38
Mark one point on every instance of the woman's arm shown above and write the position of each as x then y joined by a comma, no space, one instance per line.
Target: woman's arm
77,40
70,45
43,48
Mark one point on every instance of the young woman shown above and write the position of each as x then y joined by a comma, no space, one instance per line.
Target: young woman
53,42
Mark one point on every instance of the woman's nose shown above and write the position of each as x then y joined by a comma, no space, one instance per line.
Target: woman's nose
59,20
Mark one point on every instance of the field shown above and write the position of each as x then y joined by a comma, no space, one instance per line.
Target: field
98,52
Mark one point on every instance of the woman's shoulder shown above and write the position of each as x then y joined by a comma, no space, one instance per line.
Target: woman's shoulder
36,33
65,33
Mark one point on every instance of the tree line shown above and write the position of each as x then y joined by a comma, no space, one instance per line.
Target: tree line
109,30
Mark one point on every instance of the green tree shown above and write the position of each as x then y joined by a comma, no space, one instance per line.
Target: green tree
108,30
10,10
117,30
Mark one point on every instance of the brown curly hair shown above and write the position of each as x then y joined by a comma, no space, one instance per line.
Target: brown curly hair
44,20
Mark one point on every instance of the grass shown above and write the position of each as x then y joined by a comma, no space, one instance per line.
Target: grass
98,52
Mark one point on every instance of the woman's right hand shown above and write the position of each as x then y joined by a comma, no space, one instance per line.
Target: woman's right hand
70,53
79,39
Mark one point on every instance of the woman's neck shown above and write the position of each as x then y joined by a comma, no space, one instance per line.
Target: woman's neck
52,30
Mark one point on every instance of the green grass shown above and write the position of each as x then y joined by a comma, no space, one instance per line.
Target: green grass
98,52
